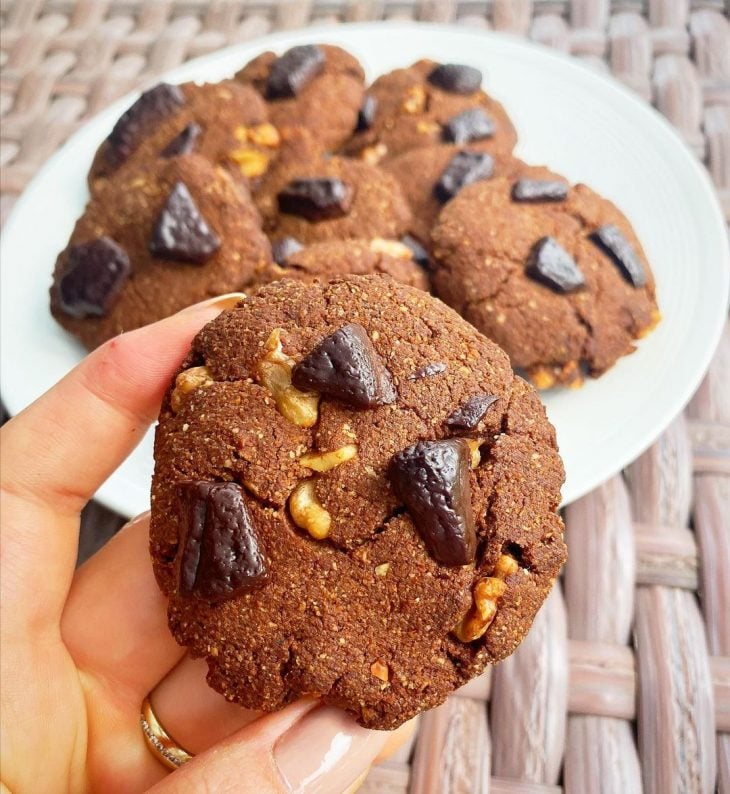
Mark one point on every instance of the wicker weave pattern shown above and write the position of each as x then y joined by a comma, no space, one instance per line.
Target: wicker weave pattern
624,683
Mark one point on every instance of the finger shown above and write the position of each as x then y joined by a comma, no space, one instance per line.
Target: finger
114,623
57,452
323,751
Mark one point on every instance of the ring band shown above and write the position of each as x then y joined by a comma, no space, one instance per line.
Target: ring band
159,741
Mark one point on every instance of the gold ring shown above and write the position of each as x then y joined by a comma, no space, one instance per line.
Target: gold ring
159,741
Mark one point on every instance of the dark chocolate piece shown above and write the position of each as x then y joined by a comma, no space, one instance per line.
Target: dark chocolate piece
436,368
282,249
184,142
539,190
465,168
93,277
456,78
293,70
469,125
418,252
134,124
468,415
346,366
181,232
316,199
610,239
366,114
220,554
551,265
432,479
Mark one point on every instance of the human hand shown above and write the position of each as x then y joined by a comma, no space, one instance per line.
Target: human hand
81,649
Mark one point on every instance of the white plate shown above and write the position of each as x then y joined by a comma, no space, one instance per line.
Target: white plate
578,122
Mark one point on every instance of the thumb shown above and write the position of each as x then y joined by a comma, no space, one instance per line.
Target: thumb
305,748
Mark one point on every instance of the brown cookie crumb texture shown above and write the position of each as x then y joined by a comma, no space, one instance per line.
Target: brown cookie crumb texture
482,243
355,610
127,210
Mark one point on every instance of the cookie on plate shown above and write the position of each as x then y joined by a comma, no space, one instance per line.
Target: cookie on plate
331,199
384,488
552,272
325,261
316,86
425,104
151,243
225,122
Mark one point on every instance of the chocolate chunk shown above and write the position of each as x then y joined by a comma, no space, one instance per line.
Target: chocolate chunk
550,264
293,70
432,478
282,249
428,371
316,199
610,239
184,143
132,126
95,273
469,125
220,555
468,415
418,252
539,190
366,114
464,168
456,78
346,366
181,232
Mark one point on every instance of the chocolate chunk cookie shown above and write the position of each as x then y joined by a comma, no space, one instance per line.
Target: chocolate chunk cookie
331,199
426,104
151,243
316,86
551,272
225,122
325,261
354,498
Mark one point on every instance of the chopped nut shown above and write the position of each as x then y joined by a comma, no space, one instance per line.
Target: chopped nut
427,127
380,671
506,566
415,101
372,155
541,377
656,317
307,512
324,461
264,135
252,162
476,456
274,372
485,595
382,569
390,247
187,381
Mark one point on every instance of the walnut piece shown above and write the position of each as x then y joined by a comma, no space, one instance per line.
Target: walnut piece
390,247
264,134
372,155
485,594
274,373
382,569
415,101
251,162
324,461
380,671
187,381
476,455
307,512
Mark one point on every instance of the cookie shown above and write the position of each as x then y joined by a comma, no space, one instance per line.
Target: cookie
421,173
315,86
521,258
151,243
324,261
225,122
333,198
426,104
384,488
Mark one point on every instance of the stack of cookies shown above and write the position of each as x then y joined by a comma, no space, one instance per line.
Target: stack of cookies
355,497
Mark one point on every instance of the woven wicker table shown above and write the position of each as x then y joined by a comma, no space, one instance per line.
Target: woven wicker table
623,685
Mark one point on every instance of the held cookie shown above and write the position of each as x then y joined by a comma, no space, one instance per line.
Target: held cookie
426,104
225,122
354,498
315,86
325,261
551,272
151,243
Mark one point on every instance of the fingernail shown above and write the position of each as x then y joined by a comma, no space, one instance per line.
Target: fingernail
326,752
220,302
